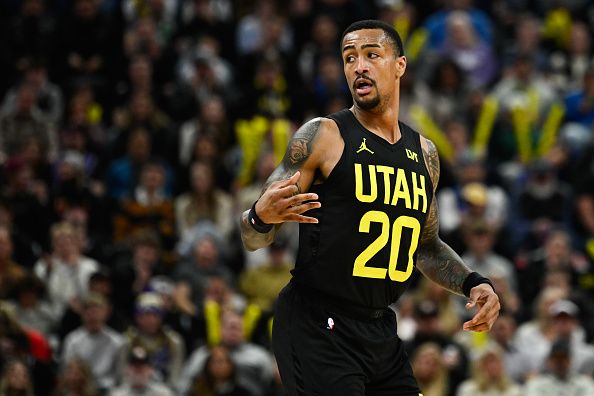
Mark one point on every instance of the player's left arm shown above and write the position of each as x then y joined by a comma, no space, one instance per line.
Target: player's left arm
440,263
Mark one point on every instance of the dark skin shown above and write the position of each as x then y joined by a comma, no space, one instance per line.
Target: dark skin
373,70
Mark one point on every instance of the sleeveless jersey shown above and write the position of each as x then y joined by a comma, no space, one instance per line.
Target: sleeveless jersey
374,205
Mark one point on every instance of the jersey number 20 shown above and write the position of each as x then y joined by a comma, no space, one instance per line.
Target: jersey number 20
374,216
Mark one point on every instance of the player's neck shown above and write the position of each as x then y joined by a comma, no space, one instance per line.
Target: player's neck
383,120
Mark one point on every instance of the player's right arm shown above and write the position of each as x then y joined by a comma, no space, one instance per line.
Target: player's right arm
284,197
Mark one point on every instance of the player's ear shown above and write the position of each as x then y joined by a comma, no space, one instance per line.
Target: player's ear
400,66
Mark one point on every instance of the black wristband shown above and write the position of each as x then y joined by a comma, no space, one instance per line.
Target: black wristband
474,279
256,223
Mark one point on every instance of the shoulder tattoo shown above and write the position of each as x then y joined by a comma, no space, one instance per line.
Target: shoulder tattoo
432,161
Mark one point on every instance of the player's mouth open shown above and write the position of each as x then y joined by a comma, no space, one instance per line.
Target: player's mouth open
363,87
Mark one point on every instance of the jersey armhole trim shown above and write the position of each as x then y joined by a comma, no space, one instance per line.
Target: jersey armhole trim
345,147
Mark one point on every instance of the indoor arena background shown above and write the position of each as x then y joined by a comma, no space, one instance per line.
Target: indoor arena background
133,133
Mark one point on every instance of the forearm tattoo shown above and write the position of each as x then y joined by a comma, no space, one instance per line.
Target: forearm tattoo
435,259
251,238
298,151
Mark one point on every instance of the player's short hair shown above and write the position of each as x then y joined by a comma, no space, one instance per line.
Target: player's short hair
390,32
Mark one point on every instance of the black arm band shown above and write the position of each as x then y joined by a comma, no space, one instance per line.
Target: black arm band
472,280
256,223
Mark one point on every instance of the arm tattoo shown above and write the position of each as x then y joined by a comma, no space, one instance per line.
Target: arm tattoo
252,239
298,151
436,260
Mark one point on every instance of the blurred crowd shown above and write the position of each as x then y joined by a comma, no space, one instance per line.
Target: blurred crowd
133,133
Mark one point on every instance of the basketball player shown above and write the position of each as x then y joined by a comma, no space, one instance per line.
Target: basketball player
362,185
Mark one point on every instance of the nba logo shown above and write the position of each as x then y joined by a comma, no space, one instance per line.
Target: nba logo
330,324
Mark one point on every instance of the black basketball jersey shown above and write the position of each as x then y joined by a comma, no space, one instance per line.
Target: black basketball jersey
374,205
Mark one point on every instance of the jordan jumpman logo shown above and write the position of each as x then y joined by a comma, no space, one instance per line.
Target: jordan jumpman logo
363,147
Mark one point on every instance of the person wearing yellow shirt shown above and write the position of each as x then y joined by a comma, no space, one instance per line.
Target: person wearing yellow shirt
262,284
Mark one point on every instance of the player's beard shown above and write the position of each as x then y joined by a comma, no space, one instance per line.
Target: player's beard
369,104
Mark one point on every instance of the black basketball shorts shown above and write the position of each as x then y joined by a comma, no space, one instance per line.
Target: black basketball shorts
322,353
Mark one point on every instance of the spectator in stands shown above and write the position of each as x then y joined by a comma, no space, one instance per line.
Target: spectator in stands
142,112
163,13
96,344
480,239
329,82
92,227
579,105
49,102
555,254
447,308
471,199
11,273
270,93
429,332
99,283
27,200
219,297
208,148
66,271
559,380
87,44
140,79
31,308
138,377
133,272
142,37
436,24
253,363
148,206
262,284
164,346
569,65
430,370
76,380
24,121
251,30
566,325
324,34
205,202
211,121
516,363
489,377
247,195
206,18
83,130
543,197
527,40
535,337
29,347
192,275
218,376
442,94
16,380
464,46
509,298
71,184
204,80
583,184
32,35
200,322
524,88
124,173
24,249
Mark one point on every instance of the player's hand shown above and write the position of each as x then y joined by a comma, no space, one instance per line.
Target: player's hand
283,202
485,298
